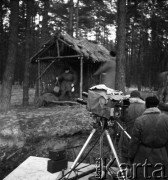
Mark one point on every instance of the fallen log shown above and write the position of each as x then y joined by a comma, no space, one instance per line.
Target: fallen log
64,102
49,98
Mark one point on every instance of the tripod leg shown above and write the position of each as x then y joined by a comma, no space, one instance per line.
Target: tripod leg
101,146
123,130
101,154
82,150
114,153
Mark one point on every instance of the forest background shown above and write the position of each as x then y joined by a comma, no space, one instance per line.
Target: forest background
140,27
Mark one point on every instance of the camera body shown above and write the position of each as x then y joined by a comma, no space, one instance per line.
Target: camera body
107,105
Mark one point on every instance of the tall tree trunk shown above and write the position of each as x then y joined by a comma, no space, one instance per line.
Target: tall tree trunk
70,24
11,58
77,18
132,71
139,64
44,37
45,30
121,39
29,7
140,53
155,49
1,40
132,56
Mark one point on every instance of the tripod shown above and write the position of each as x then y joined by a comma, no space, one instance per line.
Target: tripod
103,123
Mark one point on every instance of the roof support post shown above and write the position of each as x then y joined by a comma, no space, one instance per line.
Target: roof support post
81,76
39,79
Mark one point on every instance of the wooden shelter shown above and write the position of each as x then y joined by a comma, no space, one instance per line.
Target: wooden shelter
82,56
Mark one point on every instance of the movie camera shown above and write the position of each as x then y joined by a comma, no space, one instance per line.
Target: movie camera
105,102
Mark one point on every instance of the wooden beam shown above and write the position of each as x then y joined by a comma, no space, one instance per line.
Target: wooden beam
58,50
41,74
60,57
41,52
70,45
64,102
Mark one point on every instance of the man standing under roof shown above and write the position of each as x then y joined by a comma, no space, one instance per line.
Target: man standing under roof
68,80
108,71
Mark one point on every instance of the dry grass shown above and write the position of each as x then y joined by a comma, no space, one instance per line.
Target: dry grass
17,95
33,131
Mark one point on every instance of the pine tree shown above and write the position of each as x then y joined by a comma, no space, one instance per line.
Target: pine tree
11,58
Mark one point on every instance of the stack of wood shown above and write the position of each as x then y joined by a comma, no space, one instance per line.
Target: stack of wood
50,99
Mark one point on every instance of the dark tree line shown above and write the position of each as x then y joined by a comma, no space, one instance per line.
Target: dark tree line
147,42
141,37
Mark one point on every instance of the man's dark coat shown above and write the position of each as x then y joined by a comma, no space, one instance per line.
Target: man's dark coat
149,142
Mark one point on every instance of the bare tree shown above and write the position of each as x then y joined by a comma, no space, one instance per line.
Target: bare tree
11,58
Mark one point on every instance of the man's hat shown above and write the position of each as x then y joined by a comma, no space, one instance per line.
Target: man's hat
151,101
135,93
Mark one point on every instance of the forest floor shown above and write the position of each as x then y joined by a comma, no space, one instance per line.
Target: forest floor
33,131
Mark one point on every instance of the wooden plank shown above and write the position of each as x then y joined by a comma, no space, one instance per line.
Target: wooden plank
64,102
41,74
60,57
83,171
35,168
58,50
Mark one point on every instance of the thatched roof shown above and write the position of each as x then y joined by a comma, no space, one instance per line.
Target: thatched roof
65,46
